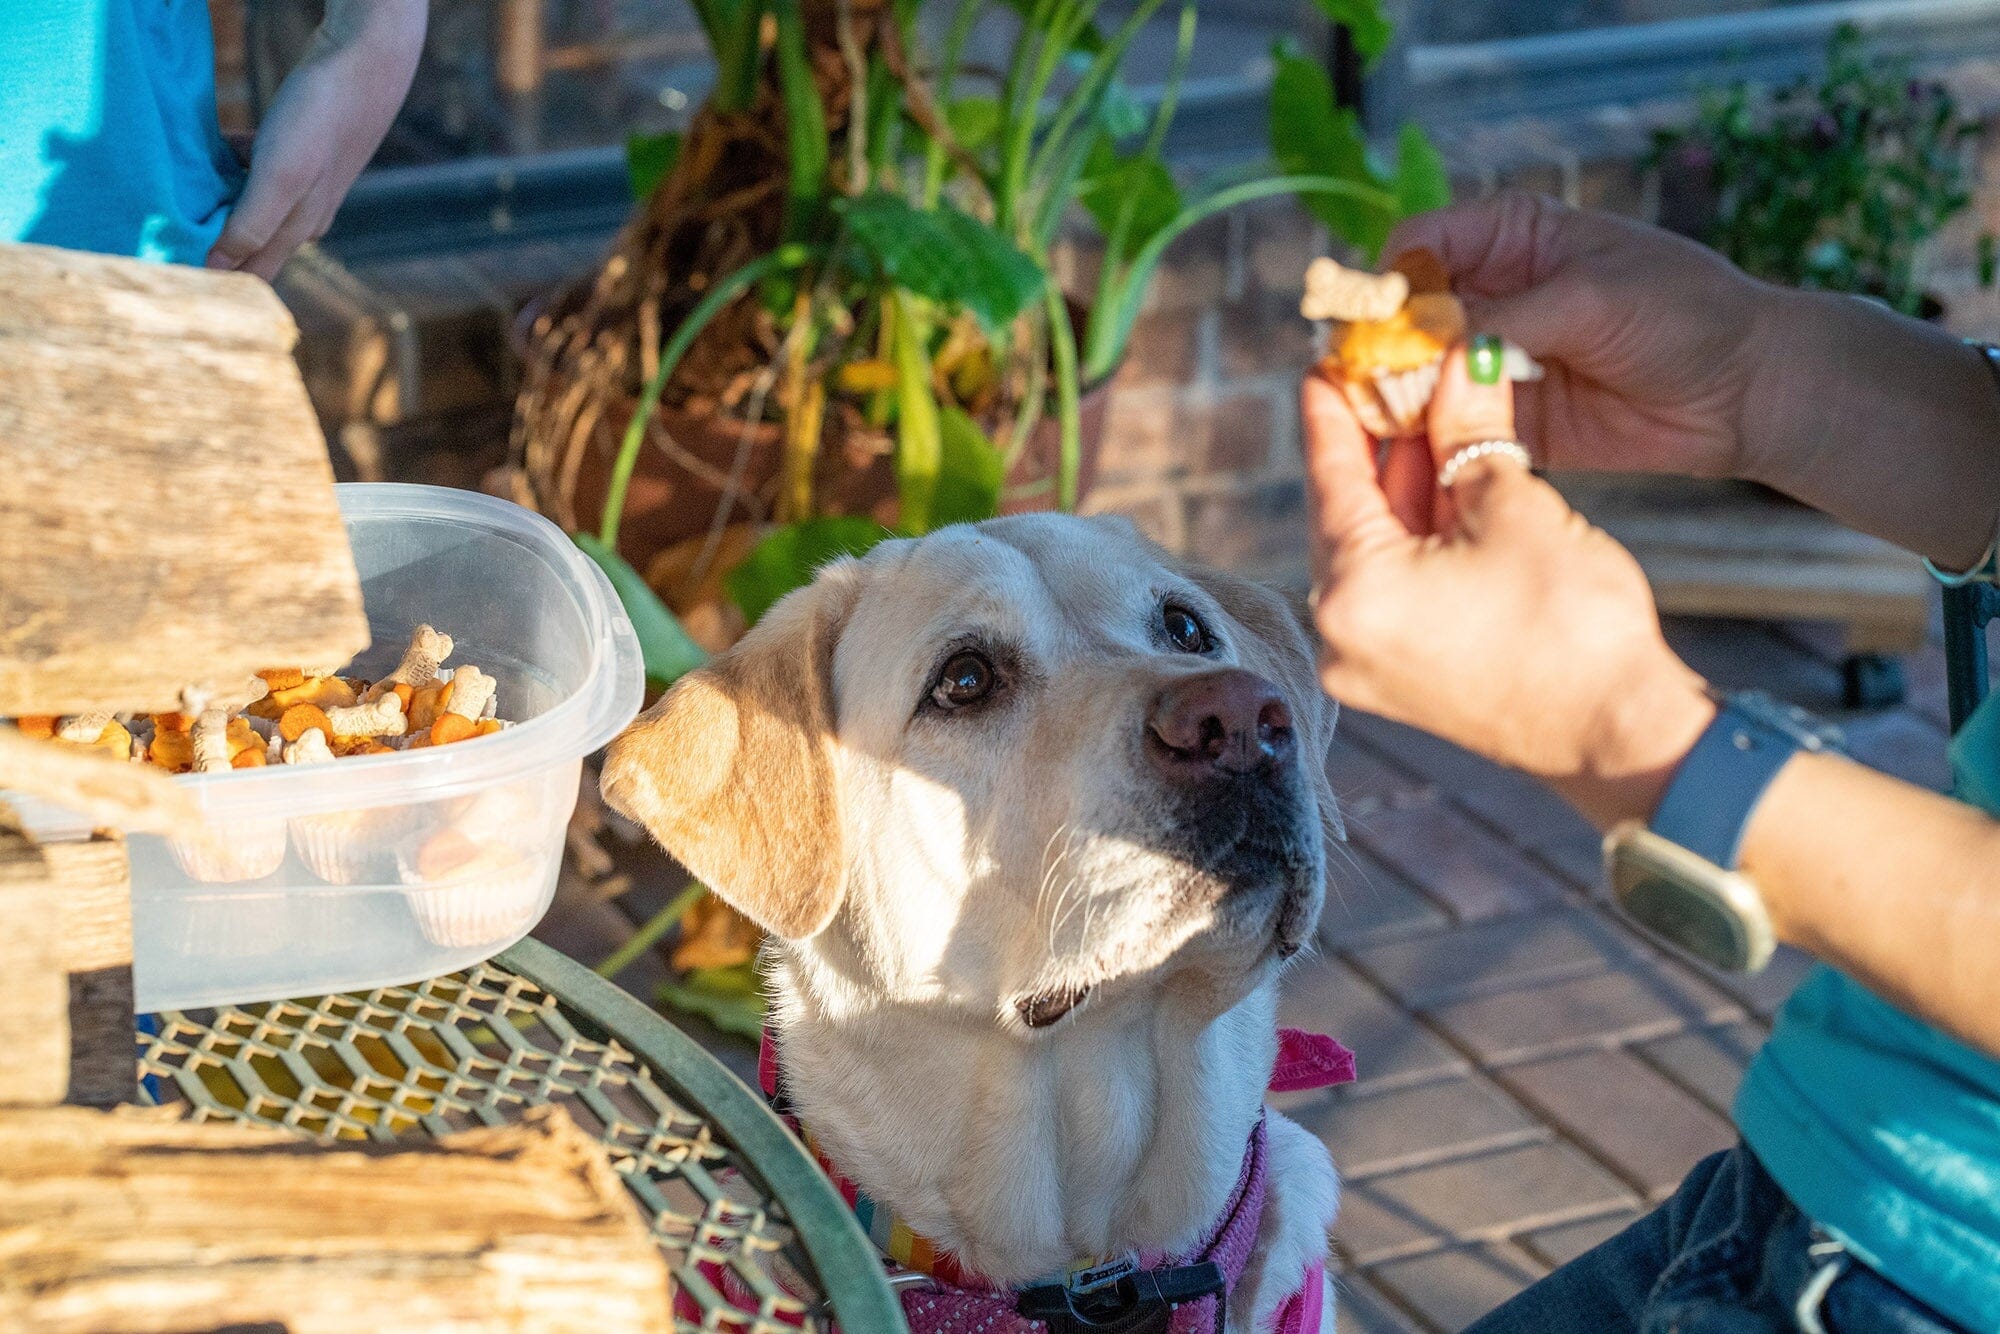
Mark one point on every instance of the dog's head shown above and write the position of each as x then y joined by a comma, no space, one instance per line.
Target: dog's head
1010,766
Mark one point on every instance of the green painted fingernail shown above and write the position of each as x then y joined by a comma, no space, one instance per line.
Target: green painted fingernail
1482,359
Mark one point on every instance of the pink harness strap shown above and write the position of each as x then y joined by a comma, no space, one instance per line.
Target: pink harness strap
936,1306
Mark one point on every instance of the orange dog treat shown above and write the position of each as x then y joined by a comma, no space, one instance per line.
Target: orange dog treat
1391,331
452,727
296,721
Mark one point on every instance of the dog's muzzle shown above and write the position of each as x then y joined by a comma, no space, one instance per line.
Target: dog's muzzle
1239,812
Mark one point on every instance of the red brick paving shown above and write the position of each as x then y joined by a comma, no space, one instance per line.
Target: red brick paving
1450,1288
1534,1073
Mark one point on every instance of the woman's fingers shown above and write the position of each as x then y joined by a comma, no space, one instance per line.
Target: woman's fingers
1409,479
258,215
1349,505
1494,495
1465,411
1496,246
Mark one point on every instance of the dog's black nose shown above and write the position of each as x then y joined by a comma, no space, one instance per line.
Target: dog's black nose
1229,720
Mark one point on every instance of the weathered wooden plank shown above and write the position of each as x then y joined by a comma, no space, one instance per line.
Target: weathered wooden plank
67,909
133,797
122,1222
34,1021
167,517
92,880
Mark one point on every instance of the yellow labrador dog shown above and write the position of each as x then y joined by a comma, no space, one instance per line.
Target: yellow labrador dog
1033,814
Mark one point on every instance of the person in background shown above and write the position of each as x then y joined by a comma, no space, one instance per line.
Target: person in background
109,141
1865,1194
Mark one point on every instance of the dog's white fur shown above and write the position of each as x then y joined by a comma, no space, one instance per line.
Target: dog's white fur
923,873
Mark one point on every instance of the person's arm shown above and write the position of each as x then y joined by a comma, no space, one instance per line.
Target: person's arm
326,122
1886,423
1551,660
1895,886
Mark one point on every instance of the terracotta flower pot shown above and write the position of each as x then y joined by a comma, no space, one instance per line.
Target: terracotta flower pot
692,459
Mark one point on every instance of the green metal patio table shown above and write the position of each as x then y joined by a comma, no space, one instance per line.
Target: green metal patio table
758,1241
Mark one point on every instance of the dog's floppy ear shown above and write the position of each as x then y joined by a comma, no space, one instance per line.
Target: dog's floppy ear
1286,652
732,770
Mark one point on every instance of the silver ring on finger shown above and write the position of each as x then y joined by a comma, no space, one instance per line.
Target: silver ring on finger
1483,449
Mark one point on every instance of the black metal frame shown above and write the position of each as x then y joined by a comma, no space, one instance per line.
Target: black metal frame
1967,610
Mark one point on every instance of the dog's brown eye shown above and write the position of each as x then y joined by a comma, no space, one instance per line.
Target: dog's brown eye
966,679
1184,631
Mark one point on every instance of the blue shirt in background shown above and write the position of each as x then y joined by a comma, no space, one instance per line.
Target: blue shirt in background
108,137
1882,1129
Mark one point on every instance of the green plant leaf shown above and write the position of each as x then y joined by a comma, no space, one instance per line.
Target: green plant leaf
731,998
790,556
970,471
1422,183
1069,389
668,652
919,449
1113,185
1310,136
1089,40
1111,323
1364,21
1120,113
805,121
974,122
946,255
733,28
648,159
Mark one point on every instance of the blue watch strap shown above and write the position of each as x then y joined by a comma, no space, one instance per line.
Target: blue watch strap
1708,803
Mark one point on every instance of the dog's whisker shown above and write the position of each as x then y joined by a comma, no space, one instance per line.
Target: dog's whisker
1065,909
1334,888
1051,865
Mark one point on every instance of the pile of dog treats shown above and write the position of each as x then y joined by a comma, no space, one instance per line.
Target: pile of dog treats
299,716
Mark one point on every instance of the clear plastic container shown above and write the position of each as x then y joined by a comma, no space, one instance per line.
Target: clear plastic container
384,869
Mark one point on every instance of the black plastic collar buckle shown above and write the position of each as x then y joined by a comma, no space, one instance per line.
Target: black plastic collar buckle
1139,1302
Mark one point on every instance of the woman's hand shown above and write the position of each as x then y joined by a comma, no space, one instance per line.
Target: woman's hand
1491,615
326,122
1662,357
1650,342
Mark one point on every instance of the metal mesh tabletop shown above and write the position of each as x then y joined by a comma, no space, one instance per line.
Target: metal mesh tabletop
757,1240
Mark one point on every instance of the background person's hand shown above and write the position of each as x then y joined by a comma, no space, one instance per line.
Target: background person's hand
1650,342
1506,623
327,120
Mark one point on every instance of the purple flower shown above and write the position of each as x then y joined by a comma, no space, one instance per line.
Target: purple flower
1696,157
1825,130
1914,91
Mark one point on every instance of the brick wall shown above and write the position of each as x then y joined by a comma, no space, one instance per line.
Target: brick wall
1201,442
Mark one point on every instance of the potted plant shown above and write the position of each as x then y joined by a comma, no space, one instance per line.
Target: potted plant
831,318
1842,183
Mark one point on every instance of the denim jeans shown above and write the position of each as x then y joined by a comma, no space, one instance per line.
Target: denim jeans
1727,1254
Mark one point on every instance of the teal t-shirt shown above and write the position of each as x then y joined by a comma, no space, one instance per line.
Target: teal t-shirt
108,137
1882,1129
